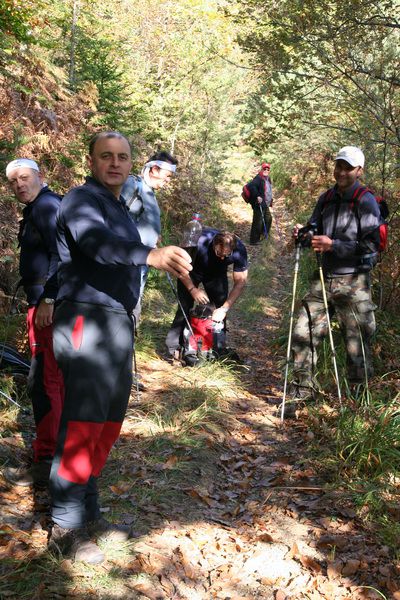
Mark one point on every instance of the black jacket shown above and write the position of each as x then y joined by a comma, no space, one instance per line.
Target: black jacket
257,187
100,249
37,240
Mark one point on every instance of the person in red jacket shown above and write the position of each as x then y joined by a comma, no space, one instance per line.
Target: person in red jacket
38,266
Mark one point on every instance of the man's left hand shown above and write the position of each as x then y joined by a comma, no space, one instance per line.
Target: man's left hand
321,243
219,314
44,315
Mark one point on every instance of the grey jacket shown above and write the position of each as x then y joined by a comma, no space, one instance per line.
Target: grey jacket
143,207
354,229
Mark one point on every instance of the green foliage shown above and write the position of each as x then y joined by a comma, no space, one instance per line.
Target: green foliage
8,147
16,18
331,75
95,62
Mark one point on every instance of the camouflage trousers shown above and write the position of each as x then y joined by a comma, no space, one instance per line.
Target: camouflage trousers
349,300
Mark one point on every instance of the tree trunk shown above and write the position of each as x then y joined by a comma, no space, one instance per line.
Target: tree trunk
75,13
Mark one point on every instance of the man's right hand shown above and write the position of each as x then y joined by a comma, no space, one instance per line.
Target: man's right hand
199,296
259,199
296,229
173,259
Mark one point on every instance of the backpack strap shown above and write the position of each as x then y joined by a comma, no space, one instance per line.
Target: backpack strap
327,197
359,192
134,192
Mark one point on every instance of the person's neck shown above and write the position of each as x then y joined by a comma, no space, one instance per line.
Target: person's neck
115,191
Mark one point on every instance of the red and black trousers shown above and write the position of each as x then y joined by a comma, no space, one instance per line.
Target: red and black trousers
93,346
45,388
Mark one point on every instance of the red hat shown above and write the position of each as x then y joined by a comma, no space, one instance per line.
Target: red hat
266,166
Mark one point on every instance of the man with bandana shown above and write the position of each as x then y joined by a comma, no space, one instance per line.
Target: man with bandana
139,194
38,266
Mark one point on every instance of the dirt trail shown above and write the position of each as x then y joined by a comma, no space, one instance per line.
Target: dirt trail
249,517
260,522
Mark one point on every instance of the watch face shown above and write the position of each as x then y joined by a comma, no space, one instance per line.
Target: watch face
48,300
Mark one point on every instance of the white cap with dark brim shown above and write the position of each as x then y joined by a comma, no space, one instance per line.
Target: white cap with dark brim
21,162
352,155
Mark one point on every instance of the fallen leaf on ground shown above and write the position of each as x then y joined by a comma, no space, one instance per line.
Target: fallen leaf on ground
351,567
147,590
334,569
310,563
265,537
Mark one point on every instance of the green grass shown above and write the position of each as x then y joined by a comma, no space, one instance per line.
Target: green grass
368,438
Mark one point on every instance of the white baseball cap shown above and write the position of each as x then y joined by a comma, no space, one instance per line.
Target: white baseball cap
21,162
351,154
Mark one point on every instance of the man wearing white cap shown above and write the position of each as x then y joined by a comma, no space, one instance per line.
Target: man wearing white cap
38,266
139,194
346,225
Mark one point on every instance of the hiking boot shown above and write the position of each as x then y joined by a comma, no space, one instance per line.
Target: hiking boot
37,474
302,393
104,531
75,544
290,410
297,397
173,357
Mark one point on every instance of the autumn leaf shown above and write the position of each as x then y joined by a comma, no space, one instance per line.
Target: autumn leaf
265,537
294,551
351,567
334,569
121,488
204,497
171,462
310,563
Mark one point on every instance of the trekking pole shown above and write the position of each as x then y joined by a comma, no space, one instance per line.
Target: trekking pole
13,401
296,271
328,320
135,361
179,303
263,220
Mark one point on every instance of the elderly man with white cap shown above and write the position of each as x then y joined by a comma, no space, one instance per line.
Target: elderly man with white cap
38,266
345,224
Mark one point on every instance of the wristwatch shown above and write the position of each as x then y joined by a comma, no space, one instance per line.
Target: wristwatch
48,300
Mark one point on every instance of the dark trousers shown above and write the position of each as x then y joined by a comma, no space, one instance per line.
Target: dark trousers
257,226
93,347
45,387
217,291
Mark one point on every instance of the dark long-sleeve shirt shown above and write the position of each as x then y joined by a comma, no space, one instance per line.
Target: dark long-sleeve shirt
261,187
99,248
208,266
37,239
354,228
